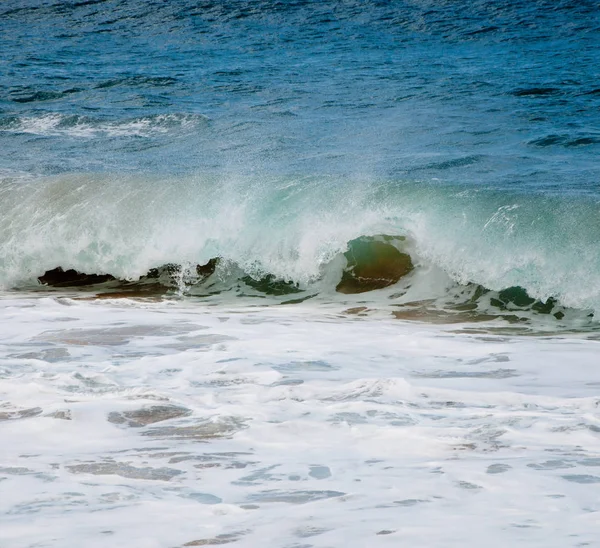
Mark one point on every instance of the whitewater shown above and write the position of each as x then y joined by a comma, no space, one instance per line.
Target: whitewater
299,274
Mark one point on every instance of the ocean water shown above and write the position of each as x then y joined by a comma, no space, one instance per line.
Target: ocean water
299,274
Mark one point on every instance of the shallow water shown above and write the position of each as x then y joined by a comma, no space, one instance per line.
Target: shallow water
172,423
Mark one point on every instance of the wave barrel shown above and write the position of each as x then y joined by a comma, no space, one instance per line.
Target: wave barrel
373,263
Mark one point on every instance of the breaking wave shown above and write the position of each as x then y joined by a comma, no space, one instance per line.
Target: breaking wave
311,235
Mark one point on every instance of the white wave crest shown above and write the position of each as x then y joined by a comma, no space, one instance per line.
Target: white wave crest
55,124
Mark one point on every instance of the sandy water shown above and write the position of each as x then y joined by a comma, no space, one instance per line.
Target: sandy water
171,423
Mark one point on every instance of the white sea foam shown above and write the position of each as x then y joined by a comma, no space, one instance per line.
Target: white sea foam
56,124
156,424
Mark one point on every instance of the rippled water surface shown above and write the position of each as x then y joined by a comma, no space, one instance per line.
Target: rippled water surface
299,274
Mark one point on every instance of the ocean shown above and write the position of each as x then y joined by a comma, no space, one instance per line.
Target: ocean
299,274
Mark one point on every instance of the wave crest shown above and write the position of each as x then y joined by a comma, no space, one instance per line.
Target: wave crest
318,233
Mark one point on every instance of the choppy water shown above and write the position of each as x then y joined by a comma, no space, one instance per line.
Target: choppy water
397,205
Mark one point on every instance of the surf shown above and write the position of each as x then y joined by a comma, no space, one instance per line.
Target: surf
320,234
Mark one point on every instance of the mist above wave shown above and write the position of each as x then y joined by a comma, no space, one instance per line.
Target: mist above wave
292,228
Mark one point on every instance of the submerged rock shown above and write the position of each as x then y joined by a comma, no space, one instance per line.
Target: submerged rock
57,277
124,470
11,414
208,269
373,263
169,273
169,270
517,298
148,415
218,540
271,285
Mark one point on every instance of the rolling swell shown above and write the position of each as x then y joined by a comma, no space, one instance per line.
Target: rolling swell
371,263
309,235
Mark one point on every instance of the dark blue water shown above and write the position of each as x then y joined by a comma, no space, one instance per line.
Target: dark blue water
432,119
485,92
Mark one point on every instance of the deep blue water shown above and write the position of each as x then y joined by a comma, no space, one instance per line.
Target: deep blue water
391,103
490,93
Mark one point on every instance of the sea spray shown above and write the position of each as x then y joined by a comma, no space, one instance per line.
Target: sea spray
293,228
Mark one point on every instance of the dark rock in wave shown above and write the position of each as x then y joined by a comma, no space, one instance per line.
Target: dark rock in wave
170,271
206,270
271,285
58,277
156,279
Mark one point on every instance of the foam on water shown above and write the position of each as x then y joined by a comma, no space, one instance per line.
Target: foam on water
294,228
74,126
258,163
170,424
